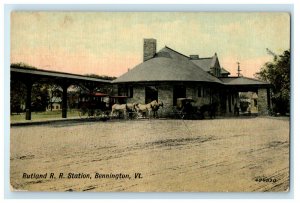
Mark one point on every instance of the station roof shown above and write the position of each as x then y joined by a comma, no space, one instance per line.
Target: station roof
238,81
224,71
167,65
56,74
170,65
205,63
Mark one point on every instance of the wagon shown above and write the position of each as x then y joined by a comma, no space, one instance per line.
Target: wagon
97,105
185,109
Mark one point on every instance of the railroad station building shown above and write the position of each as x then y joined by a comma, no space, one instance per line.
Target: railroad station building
166,75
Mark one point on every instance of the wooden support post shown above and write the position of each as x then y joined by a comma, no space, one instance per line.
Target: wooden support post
64,100
227,103
269,98
28,100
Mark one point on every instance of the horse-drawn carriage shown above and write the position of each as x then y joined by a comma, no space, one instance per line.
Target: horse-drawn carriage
186,110
103,106
98,105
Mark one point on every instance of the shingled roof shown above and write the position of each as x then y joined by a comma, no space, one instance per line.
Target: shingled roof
167,65
224,71
170,65
242,81
207,63
204,63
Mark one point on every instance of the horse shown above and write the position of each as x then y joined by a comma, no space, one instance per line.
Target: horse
123,108
144,108
130,109
155,108
210,108
119,108
130,106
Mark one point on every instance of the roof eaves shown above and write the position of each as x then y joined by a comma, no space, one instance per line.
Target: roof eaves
57,74
224,71
257,80
204,58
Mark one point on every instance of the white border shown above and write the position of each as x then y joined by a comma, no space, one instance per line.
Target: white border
4,58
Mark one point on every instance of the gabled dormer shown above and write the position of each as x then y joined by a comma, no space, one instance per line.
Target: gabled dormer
215,68
210,64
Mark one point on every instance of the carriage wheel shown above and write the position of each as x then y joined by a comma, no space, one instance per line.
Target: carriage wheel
83,113
98,114
90,113
135,115
132,115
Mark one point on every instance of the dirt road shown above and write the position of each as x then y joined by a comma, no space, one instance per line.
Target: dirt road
152,155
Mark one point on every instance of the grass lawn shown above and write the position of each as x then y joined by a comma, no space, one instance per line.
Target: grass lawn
36,116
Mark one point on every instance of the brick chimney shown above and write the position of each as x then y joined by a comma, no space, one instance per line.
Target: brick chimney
149,48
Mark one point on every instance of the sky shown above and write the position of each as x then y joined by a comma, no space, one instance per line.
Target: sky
110,43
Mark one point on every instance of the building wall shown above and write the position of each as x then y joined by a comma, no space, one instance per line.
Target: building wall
55,107
138,95
226,102
262,101
165,94
192,92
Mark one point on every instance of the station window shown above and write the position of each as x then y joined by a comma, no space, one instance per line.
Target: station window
200,91
205,92
125,91
130,91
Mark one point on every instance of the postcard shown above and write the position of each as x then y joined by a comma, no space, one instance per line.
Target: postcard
150,101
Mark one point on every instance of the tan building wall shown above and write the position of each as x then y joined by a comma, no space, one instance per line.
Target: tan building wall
138,95
165,94
262,101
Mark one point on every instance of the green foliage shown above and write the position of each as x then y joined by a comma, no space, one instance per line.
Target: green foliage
21,65
103,77
243,96
39,94
43,92
17,96
39,97
277,73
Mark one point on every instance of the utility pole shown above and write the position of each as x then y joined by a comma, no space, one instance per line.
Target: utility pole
239,70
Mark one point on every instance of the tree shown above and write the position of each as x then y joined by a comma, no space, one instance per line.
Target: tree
103,77
17,96
39,97
54,91
39,94
277,72
22,65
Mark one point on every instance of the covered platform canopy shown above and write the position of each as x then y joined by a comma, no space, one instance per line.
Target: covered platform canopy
234,85
29,76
